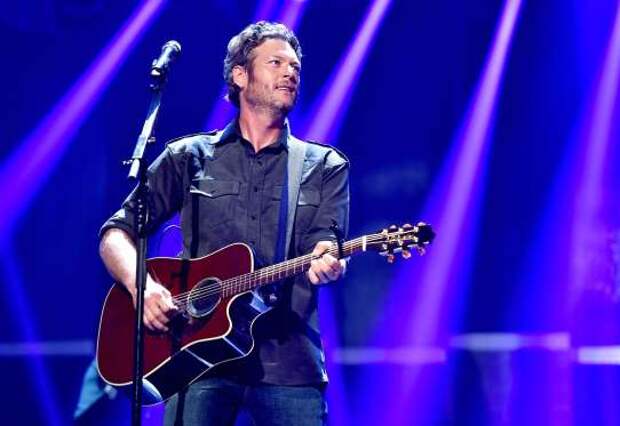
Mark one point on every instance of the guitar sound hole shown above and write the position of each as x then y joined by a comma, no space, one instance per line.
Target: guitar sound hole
204,297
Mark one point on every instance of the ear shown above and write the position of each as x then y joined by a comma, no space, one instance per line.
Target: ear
240,76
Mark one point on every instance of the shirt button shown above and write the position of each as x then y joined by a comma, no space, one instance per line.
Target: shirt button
253,217
256,189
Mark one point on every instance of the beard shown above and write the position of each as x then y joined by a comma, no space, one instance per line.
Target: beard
267,97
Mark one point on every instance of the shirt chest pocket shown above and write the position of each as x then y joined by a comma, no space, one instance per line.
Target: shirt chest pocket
307,206
214,201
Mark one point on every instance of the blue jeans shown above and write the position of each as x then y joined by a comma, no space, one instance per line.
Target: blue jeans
216,401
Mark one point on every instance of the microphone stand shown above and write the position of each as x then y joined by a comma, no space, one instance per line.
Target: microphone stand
137,172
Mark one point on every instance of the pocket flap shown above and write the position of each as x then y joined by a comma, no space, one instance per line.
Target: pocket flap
214,188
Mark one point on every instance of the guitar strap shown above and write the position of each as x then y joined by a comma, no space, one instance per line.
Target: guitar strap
296,157
288,209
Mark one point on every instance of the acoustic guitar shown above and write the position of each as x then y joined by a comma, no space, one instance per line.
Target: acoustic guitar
218,304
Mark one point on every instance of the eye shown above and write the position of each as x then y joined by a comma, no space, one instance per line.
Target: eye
275,61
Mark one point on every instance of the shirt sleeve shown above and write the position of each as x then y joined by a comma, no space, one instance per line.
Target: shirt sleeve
334,205
165,196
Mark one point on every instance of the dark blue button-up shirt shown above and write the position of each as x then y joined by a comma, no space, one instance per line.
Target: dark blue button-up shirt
226,193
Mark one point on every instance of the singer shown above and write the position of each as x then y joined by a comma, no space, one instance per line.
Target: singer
232,186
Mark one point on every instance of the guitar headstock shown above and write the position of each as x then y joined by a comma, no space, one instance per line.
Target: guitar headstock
402,240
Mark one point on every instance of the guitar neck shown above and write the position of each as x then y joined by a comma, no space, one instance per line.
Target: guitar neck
292,267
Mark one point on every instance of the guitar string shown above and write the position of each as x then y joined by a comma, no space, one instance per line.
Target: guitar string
256,276
268,272
241,281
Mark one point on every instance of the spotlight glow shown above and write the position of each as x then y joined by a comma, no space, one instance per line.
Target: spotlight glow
428,316
332,104
25,171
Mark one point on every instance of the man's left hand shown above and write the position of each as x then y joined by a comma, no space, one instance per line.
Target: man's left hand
326,267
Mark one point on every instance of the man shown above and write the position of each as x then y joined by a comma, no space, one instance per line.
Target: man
229,186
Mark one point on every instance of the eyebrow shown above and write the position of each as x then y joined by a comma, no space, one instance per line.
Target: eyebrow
294,61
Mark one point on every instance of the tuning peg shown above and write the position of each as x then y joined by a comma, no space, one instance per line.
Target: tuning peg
421,250
390,258
406,254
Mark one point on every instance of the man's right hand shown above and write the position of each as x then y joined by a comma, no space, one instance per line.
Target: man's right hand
118,252
158,306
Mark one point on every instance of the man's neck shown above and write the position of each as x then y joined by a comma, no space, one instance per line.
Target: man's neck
260,128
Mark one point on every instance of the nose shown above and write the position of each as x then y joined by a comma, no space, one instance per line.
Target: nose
291,72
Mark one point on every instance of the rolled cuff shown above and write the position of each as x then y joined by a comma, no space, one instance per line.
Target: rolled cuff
120,221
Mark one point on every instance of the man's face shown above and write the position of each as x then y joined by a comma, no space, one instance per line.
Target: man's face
273,77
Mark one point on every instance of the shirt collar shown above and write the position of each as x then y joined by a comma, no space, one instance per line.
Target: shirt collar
232,132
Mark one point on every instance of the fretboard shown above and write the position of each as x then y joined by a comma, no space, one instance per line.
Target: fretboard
292,267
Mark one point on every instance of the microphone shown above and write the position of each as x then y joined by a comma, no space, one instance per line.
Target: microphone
169,53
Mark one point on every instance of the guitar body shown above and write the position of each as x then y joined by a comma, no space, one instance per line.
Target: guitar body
196,343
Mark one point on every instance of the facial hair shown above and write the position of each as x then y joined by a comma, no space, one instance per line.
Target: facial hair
263,96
